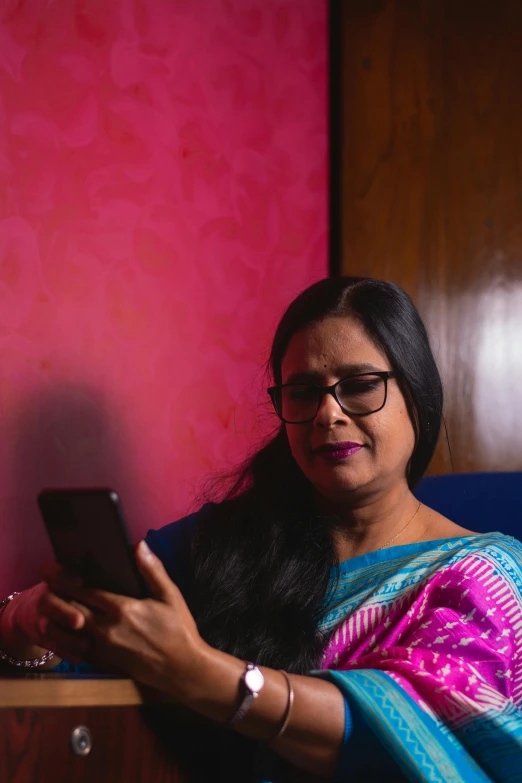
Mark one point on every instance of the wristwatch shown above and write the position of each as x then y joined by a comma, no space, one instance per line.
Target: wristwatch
251,684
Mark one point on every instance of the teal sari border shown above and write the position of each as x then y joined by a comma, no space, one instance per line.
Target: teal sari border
418,743
407,551
398,569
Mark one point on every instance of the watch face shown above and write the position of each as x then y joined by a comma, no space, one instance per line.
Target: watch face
254,680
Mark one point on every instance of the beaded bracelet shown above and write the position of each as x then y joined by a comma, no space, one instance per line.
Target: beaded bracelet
32,663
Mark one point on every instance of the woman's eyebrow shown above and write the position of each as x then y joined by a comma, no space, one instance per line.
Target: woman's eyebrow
354,369
343,371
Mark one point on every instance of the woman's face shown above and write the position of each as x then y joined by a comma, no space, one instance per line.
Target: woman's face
322,354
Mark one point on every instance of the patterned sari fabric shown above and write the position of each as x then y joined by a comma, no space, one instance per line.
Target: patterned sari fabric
426,645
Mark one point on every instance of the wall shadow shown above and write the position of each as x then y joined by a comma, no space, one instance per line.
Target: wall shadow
67,436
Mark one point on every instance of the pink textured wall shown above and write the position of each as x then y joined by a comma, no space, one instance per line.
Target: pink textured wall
163,196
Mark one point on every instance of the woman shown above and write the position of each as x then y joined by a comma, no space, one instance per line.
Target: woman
320,560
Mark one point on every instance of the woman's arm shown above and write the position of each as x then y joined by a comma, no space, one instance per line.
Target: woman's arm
156,642
313,737
314,734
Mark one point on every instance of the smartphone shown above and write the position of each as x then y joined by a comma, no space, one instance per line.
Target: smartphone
88,533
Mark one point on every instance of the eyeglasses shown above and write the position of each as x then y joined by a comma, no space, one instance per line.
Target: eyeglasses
358,395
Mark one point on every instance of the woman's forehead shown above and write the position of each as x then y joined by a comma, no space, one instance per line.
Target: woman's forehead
332,345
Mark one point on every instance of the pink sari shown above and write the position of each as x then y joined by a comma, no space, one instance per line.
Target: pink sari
432,632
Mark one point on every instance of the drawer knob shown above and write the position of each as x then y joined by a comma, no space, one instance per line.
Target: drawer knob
81,741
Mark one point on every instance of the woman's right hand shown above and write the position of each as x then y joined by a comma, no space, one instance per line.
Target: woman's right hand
38,620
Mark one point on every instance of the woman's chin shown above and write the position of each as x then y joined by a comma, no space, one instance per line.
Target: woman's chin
343,488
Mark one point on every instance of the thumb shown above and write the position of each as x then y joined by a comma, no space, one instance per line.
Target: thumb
153,571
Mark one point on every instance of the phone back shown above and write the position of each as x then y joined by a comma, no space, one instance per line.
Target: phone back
88,533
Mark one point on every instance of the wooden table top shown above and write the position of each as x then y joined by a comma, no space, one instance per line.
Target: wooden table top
66,690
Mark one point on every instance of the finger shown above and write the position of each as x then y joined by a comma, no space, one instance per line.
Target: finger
92,622
62,612
153,570
66,644
87,613
98,600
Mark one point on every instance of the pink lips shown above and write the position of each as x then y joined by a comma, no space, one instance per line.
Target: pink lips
337,451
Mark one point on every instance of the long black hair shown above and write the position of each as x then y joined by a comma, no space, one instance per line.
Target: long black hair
262,557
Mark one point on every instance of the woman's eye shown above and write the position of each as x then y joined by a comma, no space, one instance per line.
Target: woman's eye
359,387
303,393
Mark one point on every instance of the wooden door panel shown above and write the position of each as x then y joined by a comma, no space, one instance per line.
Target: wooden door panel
431,195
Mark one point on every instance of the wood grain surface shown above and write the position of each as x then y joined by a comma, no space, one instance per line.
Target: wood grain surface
36,747
50,690
430,195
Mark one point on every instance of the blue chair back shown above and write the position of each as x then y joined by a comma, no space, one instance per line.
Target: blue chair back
483,502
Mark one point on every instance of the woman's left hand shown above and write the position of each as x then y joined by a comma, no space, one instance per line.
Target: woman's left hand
153,640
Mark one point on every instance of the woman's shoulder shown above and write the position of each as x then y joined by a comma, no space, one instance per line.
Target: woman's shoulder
172,544
494,543
181,527
466,543
502,553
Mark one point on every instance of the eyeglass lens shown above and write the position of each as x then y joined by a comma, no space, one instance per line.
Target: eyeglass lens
359,395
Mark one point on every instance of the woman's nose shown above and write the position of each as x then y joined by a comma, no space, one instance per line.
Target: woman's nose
329,411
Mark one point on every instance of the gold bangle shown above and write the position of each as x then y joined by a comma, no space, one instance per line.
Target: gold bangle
288,711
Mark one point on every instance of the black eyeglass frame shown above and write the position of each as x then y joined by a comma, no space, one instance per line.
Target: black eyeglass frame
384,374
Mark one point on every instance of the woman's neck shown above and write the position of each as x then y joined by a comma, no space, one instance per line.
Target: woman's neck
371,523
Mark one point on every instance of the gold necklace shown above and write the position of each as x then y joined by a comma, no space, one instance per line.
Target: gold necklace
400,531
